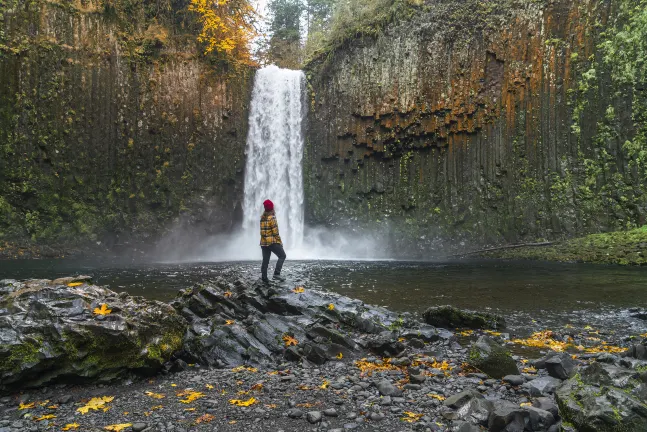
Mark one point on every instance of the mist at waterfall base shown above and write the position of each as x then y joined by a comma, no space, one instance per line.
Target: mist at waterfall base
274,171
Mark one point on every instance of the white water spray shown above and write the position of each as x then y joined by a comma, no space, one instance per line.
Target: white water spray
275,152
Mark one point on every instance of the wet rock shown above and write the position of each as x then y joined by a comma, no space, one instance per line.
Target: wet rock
506,416
51,333
515,380
493,359
539,420
560,366
637,351
603,397
313,417
451,317
470,406
542,386
386,388
546,404
229,328
295,413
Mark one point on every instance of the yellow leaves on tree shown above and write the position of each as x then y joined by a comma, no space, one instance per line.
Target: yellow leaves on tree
103,310
71,426
118,427
227,27
290,341
96,404
240,403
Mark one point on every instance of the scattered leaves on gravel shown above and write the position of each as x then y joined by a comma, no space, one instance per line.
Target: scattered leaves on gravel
118,427
96,404
411,417
241,403
155,395
190,396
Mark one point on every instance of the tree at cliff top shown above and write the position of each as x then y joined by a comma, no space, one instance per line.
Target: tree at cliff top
227,27
285,43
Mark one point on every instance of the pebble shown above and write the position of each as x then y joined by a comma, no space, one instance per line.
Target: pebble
295,413
330,412
139,427
313,417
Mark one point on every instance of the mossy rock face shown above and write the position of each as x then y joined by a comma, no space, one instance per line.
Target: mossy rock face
491,358
451,317
604,398
51,331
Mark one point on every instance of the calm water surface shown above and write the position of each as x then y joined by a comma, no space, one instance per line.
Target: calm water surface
531,295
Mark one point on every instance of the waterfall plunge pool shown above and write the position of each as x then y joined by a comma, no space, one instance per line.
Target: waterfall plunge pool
530,295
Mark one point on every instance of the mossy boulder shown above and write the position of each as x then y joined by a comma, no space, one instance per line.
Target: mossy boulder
49,332
604,398
491,358
451,317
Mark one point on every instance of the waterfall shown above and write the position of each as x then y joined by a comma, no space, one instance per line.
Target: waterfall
275,152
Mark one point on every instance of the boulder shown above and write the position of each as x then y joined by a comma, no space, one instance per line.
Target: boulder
560,366
637,351
543,386
72,330
506,416
603,397
451,317
491,358
470,406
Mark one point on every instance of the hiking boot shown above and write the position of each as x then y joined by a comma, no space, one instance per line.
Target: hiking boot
279,278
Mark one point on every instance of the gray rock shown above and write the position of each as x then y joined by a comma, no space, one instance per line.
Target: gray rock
506,416
561,366
603,397
53,329
313,417
543,386
386,388
546,404
139,427
417,379
331,412
488,356
377,416
515,380
540,420
295,413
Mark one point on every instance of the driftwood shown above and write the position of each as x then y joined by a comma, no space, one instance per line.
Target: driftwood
517,246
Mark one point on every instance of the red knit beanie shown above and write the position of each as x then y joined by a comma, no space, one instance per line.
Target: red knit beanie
269,205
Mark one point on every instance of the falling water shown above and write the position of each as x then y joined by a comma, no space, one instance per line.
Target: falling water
275,152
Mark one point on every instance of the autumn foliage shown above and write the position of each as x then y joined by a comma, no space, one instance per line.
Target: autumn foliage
227,27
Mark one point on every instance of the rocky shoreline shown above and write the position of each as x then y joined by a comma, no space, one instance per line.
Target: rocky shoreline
231,354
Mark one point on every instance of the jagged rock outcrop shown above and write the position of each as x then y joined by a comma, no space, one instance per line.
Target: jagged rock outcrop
463,123
235,323
50,332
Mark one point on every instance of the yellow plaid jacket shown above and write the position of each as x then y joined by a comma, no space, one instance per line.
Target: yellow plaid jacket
269,230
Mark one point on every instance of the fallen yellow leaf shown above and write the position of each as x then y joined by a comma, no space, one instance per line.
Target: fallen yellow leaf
45,417
467,333
411,417
229,322
331,306
436,396
325,384
190,396
290,341
209,386
103,311
52,407
155,395
189,409
256,387
29,405
71,426
298,290
96,404
340,356
244,368
118,427
271,406
227,294
204,419
240,403
74,284
525,404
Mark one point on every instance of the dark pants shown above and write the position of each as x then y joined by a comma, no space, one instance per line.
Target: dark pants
267,253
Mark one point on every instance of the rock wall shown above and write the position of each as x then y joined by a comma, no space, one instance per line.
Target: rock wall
474,123
112,125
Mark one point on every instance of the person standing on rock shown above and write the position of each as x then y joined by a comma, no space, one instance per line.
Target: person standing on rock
271,242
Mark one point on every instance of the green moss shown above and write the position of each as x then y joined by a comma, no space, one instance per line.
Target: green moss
17,355
621,247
